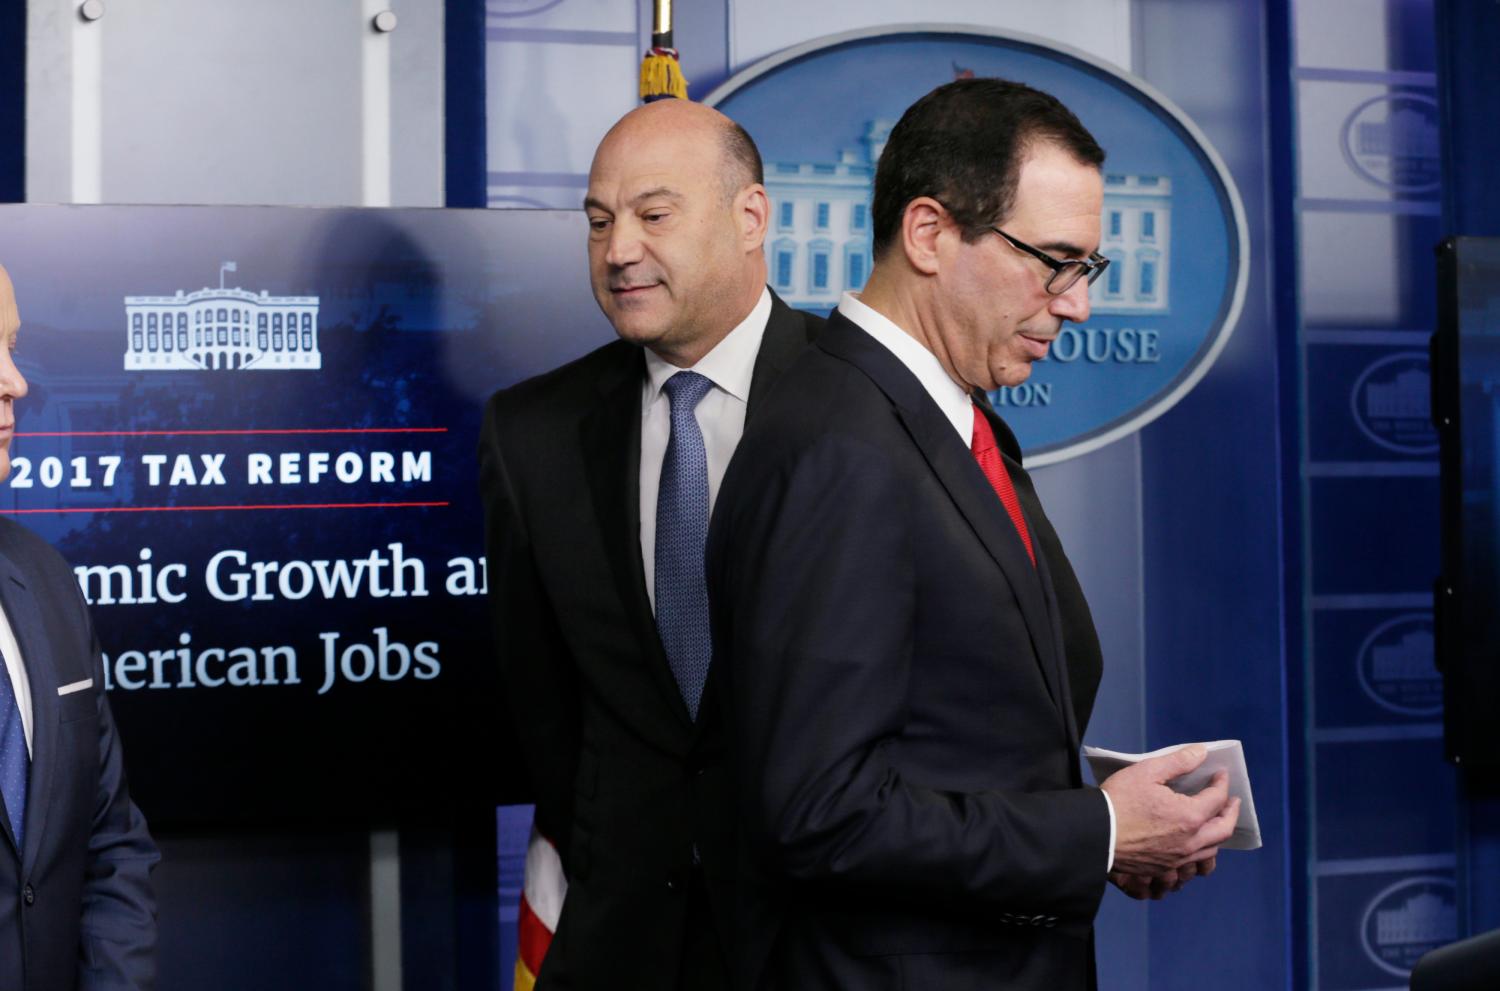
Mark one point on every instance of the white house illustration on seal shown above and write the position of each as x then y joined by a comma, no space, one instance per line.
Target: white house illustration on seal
1406,396
819,243
1422,918
221,329
1409,660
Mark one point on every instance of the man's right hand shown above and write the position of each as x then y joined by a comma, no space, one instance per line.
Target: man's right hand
1158,830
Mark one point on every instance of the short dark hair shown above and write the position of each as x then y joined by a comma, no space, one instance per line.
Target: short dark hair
963,144
741,160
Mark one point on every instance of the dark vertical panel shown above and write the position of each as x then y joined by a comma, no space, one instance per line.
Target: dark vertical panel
1468,36
1282,146
12,102
1212,502
250,911
429,947
476,908
464,131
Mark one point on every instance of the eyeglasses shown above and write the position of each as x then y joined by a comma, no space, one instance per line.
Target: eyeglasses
1065,274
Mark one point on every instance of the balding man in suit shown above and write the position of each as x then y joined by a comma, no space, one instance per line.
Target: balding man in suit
598,480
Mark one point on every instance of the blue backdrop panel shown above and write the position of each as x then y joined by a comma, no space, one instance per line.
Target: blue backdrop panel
1372,926
284,530
1372,541
1383,798
1371,403
1374,667
1211,502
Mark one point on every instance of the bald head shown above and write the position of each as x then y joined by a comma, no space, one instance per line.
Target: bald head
711,133
677,222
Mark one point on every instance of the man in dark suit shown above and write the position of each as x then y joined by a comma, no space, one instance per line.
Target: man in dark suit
908,659
598,479
76,906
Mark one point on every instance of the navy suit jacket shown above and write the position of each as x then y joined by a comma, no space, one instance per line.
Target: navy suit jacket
76,907
905,693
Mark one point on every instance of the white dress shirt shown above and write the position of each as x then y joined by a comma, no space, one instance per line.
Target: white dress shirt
721,417
17,670
950,397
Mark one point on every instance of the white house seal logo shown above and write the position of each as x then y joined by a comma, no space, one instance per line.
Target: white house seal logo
1396,668
1391,403
1406,920
1172,227
1392,141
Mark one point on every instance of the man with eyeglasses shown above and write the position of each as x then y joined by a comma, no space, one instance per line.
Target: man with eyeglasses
908,659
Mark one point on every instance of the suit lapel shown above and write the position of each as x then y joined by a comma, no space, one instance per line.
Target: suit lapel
1061,684
955,468
26,623
611,444
786,334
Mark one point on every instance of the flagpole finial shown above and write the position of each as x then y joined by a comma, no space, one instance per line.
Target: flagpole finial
661,75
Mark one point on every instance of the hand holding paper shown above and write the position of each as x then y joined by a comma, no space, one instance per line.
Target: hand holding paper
1159,829
1220,755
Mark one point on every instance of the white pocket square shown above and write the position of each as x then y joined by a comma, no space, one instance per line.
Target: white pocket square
76,686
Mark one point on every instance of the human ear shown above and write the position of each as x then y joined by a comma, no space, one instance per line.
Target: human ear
922,224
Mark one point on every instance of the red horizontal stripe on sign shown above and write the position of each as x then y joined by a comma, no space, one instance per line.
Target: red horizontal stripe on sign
233,433
206,509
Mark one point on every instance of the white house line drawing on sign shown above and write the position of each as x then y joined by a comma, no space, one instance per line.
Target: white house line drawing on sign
1405,396
1409,660
1423,918
221,329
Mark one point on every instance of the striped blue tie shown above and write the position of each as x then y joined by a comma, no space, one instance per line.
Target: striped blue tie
681,530
15,762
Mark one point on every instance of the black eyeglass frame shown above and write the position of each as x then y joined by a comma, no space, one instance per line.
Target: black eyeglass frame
1091,267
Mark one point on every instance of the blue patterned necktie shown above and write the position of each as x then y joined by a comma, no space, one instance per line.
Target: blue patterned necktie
15,762
681,530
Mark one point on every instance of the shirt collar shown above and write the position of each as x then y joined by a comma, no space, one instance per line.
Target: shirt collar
951,398
731,363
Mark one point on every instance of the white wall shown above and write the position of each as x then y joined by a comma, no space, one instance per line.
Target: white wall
193,101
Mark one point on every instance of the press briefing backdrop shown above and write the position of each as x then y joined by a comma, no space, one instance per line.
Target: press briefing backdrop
252,431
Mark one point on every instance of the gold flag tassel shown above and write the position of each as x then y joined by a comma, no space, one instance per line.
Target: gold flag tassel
661,75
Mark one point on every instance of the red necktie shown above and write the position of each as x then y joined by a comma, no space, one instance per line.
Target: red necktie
987,453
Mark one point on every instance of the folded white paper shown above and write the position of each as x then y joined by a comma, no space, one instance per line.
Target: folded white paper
1226,755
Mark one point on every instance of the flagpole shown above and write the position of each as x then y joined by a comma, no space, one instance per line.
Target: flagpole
661,76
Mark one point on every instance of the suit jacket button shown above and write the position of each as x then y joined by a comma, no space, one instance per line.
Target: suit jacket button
29,894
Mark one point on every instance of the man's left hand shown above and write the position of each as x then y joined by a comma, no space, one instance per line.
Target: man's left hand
1157,887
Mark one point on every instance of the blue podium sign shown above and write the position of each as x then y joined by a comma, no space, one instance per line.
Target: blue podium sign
252,432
